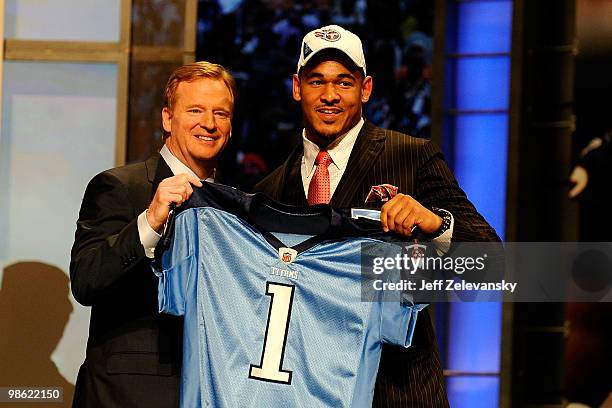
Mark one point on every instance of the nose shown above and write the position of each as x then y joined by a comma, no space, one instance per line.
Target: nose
207,121
329,94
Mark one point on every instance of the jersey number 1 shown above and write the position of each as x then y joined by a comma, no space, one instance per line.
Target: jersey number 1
275,340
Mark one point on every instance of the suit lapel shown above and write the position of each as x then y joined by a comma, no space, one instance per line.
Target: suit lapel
292,190
157,170
368,146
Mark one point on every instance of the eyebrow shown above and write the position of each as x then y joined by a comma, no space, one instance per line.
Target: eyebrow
197,105
339,76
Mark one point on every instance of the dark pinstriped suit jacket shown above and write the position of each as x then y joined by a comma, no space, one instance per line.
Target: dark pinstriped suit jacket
407,377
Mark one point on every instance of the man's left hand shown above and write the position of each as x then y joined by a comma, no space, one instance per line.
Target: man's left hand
402,213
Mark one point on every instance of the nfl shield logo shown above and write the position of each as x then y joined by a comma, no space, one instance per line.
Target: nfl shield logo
287,255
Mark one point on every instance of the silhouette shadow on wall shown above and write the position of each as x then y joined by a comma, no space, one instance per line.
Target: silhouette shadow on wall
35,308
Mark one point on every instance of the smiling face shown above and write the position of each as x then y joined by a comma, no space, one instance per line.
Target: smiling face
331,96
199,124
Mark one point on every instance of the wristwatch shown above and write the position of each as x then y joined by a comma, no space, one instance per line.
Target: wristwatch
447,219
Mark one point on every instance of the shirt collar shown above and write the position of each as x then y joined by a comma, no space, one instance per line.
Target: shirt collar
339,150
177,166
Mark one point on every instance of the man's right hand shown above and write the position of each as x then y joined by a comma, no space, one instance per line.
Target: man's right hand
176,189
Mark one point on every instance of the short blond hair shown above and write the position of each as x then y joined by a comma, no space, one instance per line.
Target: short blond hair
194,71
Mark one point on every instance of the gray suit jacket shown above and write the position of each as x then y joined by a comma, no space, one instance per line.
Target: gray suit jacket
407,377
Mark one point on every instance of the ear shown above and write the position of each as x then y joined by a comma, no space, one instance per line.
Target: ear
297,95
166,119
366,89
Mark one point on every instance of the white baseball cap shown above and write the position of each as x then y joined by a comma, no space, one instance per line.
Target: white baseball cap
335,37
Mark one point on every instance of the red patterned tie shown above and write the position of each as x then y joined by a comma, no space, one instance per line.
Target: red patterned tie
318,190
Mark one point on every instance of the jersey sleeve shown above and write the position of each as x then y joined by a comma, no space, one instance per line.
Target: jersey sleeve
398,321
178,266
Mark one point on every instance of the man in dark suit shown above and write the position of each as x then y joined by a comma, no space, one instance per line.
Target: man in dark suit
340,161
134,353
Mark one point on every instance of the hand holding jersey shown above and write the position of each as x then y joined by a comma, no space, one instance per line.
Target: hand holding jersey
402,213
172,190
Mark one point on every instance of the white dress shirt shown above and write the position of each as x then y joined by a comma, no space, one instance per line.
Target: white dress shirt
148,236
340,151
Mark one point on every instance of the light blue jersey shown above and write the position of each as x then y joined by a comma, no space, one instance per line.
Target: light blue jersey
274,326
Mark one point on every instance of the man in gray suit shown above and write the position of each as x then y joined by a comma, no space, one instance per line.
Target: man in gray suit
133,352
346,161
